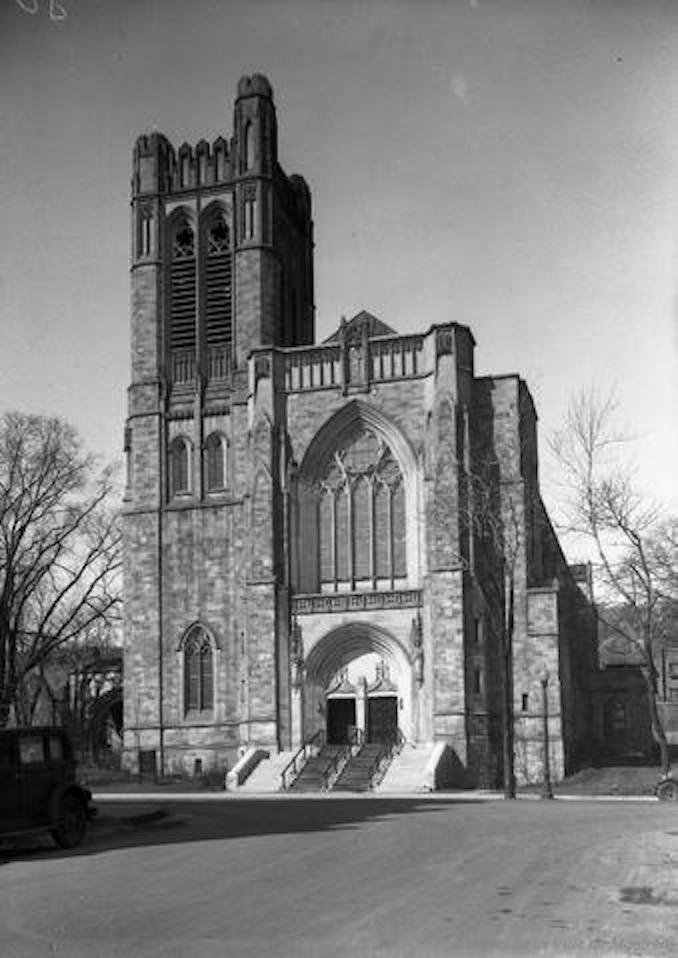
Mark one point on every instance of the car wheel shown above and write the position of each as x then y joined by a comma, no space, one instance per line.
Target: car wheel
72,822
668,791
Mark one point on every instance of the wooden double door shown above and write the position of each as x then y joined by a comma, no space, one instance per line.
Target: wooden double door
381,719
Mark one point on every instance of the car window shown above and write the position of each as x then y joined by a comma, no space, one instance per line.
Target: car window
56,748
31,750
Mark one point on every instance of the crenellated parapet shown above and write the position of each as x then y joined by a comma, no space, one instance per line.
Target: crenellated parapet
222,251
158,167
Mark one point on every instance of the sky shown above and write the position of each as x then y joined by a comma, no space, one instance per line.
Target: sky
508,165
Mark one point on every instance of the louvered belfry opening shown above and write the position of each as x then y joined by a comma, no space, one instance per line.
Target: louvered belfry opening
183,303
218,297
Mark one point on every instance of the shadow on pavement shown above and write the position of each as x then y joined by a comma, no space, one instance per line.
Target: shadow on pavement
122,825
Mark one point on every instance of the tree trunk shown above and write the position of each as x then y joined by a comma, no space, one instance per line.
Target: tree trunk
656,723
507,650
507,722
509,736
658,728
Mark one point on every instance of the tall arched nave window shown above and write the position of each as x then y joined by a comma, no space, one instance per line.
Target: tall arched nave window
361,516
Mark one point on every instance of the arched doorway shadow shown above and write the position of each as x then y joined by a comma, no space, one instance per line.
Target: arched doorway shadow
358,674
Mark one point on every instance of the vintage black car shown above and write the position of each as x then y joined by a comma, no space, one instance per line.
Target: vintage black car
38,787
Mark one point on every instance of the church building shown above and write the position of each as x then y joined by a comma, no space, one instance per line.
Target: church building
323,539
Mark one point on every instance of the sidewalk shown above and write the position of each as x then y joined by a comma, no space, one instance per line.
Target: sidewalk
461,797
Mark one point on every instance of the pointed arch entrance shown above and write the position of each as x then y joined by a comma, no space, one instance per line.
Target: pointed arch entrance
358,676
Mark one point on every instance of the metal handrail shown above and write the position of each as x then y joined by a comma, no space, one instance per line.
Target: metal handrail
390,747
333,770
335,767
304,751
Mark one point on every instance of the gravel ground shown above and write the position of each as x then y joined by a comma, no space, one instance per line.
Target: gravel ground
374,877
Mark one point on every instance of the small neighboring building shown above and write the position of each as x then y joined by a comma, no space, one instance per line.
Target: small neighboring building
623,728
80,689
304,545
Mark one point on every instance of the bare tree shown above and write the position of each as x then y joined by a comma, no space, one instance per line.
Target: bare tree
635,542
59,546
495,543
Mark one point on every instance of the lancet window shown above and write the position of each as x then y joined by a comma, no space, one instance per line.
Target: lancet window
215,462
249,212
144,234
198,672
180,466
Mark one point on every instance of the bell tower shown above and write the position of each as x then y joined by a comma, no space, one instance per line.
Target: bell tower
221,264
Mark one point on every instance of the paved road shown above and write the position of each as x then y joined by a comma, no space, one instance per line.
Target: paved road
379,877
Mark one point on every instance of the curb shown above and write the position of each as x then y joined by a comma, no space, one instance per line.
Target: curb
113,797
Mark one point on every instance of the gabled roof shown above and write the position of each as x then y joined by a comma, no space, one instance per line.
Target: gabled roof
375,327
341,684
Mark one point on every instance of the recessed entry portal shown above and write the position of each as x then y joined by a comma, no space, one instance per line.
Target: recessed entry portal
341,715
358,688
382,718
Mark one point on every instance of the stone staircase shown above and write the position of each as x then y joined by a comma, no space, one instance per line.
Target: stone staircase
266,776
312,776
412,770
357,773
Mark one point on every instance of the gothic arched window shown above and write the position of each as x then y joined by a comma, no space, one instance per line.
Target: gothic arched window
182,302
180,466
218,286
215,462
198,671
361,515
183,245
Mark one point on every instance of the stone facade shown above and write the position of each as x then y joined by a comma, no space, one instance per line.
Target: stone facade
346,559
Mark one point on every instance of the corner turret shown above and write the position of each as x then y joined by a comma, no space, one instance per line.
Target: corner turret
255,127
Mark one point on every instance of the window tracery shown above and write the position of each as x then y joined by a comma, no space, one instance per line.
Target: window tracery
361,514
218,237
182,300
183,245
